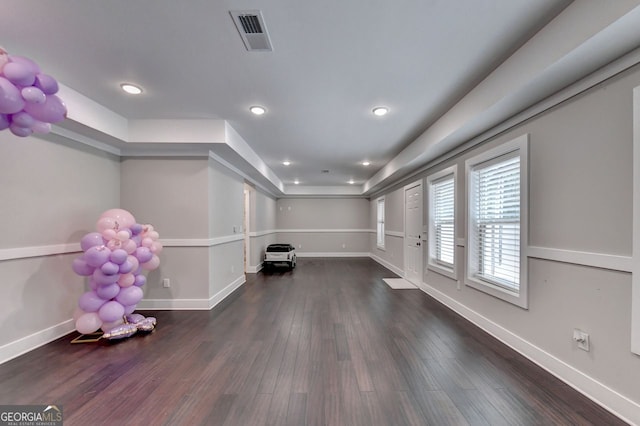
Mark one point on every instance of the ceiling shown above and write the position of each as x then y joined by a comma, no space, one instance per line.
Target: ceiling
332,62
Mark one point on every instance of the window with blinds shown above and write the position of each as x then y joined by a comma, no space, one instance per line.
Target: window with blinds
442,211
443,217
496,225
380,220
496,221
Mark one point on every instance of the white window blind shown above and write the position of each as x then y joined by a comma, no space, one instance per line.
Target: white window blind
380,229
495,216
443,221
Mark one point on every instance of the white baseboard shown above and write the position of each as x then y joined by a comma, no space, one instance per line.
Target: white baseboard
222,294
191,304
601,394
35,340
174,305
332,254
387,265
254,269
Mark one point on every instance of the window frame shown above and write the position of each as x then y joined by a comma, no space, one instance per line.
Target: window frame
516,147
433,263
380,223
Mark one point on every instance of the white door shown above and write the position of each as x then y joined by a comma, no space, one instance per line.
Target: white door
412,233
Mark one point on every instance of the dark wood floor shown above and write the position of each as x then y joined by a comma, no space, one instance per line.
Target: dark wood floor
326,344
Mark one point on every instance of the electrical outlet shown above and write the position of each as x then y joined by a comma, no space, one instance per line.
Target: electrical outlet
582,339
166,283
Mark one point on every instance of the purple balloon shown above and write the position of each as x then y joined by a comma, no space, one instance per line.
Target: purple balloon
90,301
130,295
120,332
136,228
118,256
19,74
103,279
33,95
143,254
140,280
4,121
126,267
108,292
134,318
53,110
92,239
17,130
137,239
96,256
10,98
25,61
111,311
46,83
22,119
41,127
110,268
93,285
80,267
129,309
147,324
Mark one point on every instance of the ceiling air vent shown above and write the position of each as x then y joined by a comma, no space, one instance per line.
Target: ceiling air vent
250,25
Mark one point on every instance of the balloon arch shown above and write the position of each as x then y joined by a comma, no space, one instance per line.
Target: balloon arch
115,258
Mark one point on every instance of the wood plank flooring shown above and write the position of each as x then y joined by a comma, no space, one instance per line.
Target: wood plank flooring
326,344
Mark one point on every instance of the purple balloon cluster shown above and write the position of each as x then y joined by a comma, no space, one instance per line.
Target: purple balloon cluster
28,101
114,258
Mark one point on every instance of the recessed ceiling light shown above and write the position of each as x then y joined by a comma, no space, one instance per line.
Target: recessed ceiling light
380,111
131,89
257,110
295,182
365,163
351,182
286,163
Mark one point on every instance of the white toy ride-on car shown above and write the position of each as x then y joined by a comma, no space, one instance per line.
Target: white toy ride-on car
279,254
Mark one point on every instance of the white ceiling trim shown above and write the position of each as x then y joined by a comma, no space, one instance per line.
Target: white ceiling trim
610,70
508,91
176,131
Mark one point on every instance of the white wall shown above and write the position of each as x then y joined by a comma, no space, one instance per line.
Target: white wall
226,217
52,194
197,206
172,195
580,205
325,226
